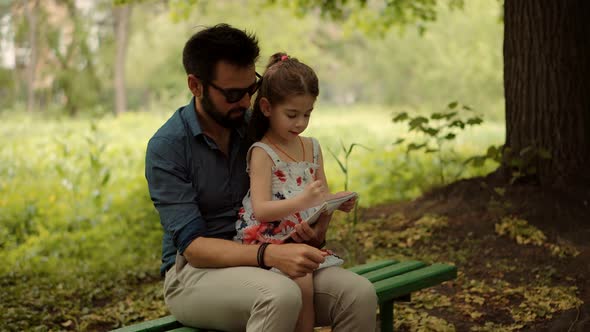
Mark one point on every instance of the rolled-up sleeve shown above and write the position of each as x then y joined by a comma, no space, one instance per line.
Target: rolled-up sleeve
170,185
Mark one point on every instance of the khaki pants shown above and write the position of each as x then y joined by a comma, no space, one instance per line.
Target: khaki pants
252,299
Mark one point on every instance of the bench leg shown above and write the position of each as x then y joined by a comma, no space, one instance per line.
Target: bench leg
386,313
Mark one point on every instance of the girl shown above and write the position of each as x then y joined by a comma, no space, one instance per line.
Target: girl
287,180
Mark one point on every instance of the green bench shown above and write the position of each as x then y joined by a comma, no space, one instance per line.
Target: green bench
393,281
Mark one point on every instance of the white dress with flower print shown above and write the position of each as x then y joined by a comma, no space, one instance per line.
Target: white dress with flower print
288,180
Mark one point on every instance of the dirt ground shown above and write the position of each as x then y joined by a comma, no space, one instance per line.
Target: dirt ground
503,285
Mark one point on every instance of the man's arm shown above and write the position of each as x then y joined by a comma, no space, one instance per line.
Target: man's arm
295,260
171,190
212,252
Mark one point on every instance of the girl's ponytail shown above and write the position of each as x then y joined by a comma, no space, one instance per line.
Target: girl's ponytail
284,77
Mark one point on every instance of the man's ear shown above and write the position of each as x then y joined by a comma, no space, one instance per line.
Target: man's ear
195,85
265,106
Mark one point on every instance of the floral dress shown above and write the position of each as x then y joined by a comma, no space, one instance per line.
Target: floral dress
288,180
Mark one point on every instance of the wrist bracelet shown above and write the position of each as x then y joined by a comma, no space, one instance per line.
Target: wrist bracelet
323,244
260,256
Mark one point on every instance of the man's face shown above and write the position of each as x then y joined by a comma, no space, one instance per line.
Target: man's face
228,114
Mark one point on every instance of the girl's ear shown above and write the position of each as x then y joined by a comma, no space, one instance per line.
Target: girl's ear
195,85
265,106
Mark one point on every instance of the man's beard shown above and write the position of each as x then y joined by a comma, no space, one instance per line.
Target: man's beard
224,120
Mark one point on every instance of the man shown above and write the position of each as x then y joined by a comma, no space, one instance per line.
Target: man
196,172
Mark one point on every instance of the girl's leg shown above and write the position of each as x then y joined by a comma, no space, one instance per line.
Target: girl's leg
306,318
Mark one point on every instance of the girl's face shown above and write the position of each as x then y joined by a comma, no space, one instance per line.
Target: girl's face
290,118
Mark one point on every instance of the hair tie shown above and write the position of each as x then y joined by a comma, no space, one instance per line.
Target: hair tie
284,57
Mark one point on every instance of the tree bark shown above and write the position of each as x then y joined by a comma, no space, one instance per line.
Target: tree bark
122,14
547,82
31,14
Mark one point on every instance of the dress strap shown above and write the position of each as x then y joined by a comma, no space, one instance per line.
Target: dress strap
273,155
316,150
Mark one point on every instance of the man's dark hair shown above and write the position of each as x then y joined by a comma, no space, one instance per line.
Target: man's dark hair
221,42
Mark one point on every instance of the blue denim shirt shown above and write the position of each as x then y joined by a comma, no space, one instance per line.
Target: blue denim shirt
195,187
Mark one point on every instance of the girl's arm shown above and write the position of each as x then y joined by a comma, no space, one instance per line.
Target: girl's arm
265,209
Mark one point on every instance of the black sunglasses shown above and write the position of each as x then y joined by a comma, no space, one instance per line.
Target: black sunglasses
234,95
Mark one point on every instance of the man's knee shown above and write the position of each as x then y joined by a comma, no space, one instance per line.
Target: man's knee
283,298
363,294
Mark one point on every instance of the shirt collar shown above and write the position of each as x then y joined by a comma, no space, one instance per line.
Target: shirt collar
191,118
195,126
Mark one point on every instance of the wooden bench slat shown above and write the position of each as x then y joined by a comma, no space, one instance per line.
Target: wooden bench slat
412,281
361,269
393,270
157,325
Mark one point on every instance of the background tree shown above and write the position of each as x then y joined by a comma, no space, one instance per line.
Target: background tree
546,80
121,14
31,10
71,46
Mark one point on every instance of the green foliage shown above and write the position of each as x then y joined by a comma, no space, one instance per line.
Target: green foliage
521,165
493,153
524,163
374,17
437,130
180,10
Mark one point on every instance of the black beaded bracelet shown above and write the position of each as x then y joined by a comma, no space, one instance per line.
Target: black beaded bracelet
260,256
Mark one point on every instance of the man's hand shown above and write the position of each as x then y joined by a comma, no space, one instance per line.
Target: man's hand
294,259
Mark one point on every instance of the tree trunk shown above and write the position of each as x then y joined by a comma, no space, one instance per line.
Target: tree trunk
31,14
547,82
122,14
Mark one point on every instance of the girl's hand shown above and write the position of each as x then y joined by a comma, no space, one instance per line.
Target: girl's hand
314,194
348,205
312,235
303,233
